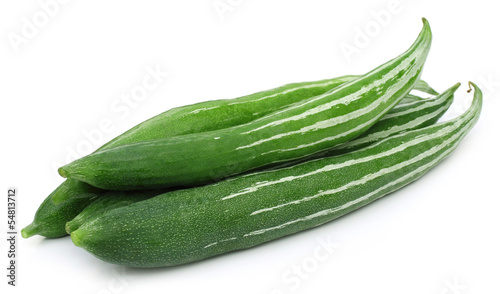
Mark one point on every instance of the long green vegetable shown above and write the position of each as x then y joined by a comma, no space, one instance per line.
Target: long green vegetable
193,224
52,218
422,113
308,127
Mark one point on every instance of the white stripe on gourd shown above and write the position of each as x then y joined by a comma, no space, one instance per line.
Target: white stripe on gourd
297,88
395,129
405,65
328,123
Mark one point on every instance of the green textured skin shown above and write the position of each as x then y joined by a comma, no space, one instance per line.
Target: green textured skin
50,219
106,202
308,127
193,224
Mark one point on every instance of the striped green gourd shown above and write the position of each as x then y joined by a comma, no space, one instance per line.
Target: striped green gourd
193,224
414,114
305,128
402,118
224,113
424,112
52,218
214,115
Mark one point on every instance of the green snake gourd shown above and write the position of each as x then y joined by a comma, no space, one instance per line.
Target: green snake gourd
188,225
305,128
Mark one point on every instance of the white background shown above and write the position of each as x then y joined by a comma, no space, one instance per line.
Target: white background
438,235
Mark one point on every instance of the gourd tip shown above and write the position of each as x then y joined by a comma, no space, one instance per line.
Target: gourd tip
29,231
456,86
76,238
62,172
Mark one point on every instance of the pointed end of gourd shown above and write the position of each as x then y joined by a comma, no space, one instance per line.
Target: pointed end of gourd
62,172
77,237
30,230
70,227
455,87
427,26
433,92
425,35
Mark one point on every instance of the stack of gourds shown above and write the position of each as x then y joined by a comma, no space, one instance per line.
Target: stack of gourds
218,176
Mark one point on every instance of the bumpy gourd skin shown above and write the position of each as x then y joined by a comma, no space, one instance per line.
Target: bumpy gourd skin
106,202
305,128
50,219
193,224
